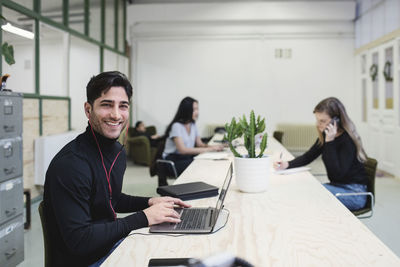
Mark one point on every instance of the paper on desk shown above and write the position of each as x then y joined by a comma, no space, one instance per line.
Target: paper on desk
212,155
293,170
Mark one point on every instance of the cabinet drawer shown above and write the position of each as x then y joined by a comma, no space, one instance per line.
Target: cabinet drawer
11,199
12,242
10,158
10,115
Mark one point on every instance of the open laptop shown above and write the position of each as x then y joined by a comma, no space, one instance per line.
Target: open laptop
196,220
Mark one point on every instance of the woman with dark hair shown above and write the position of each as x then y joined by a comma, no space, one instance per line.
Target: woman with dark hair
342,153
183,140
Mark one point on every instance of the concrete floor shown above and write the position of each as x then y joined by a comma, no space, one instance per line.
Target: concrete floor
384,223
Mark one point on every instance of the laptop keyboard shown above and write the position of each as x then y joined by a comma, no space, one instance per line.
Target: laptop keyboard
192,219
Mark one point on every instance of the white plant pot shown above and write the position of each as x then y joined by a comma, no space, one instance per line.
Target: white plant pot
252,174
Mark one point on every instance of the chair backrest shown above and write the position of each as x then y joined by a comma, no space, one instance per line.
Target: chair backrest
370,168
278,136
158,155
132,132
46,238
151,130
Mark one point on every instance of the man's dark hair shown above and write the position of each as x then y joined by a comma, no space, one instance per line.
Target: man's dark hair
138,123
103,82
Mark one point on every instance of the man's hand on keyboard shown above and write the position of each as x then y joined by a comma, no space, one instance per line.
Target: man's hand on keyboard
162,210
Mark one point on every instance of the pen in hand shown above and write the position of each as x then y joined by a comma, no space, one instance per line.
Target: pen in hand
280,160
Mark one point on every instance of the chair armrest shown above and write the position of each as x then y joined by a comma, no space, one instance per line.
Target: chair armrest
168,162
357,194
360,194
138,140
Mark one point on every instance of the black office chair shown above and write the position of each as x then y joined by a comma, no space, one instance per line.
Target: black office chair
162,168
46,238
278,135
370,168
165,169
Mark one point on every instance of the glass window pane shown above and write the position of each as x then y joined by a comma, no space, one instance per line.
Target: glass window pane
363,63
53,10
86,54
94,19
123,65
121,40
77,15
375,83
110,60
25,3
364,99
388,72
110,31
22,73
53,62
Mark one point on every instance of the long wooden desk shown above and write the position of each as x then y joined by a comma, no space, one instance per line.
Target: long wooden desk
296,222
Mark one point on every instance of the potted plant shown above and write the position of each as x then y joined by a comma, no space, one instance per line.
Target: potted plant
7,50
251,169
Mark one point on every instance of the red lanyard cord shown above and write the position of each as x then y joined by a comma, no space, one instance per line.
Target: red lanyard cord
108,174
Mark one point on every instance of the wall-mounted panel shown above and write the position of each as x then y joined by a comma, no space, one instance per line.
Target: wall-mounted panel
31,132
55,116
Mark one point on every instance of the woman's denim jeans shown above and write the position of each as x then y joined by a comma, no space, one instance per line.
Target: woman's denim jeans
351,202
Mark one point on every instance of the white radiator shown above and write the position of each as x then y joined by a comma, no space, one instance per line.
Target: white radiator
46,147
210,128
298,137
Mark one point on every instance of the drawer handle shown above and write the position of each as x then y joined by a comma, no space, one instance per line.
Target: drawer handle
10,253
9,170
8,128
11,213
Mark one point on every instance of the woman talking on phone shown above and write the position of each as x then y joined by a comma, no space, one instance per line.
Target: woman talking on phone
342,153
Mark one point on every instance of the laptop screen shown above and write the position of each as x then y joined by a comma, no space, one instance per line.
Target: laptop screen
222,195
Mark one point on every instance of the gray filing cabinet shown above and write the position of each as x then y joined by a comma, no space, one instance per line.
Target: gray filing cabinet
11,182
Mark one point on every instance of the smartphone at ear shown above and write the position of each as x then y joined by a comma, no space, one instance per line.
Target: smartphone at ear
333,122
335,119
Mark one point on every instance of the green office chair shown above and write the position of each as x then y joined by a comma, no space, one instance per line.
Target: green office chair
370,168
46,238
140,149
278,135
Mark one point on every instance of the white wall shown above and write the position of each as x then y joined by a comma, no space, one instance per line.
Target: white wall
224,56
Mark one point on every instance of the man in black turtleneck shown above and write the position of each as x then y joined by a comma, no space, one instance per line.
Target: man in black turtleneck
82,191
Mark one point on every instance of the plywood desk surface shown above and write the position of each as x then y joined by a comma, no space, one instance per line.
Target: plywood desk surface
296,222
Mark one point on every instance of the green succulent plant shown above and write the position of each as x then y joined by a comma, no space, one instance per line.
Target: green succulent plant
248,130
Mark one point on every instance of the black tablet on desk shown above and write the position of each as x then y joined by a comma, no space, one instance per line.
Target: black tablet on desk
188,191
